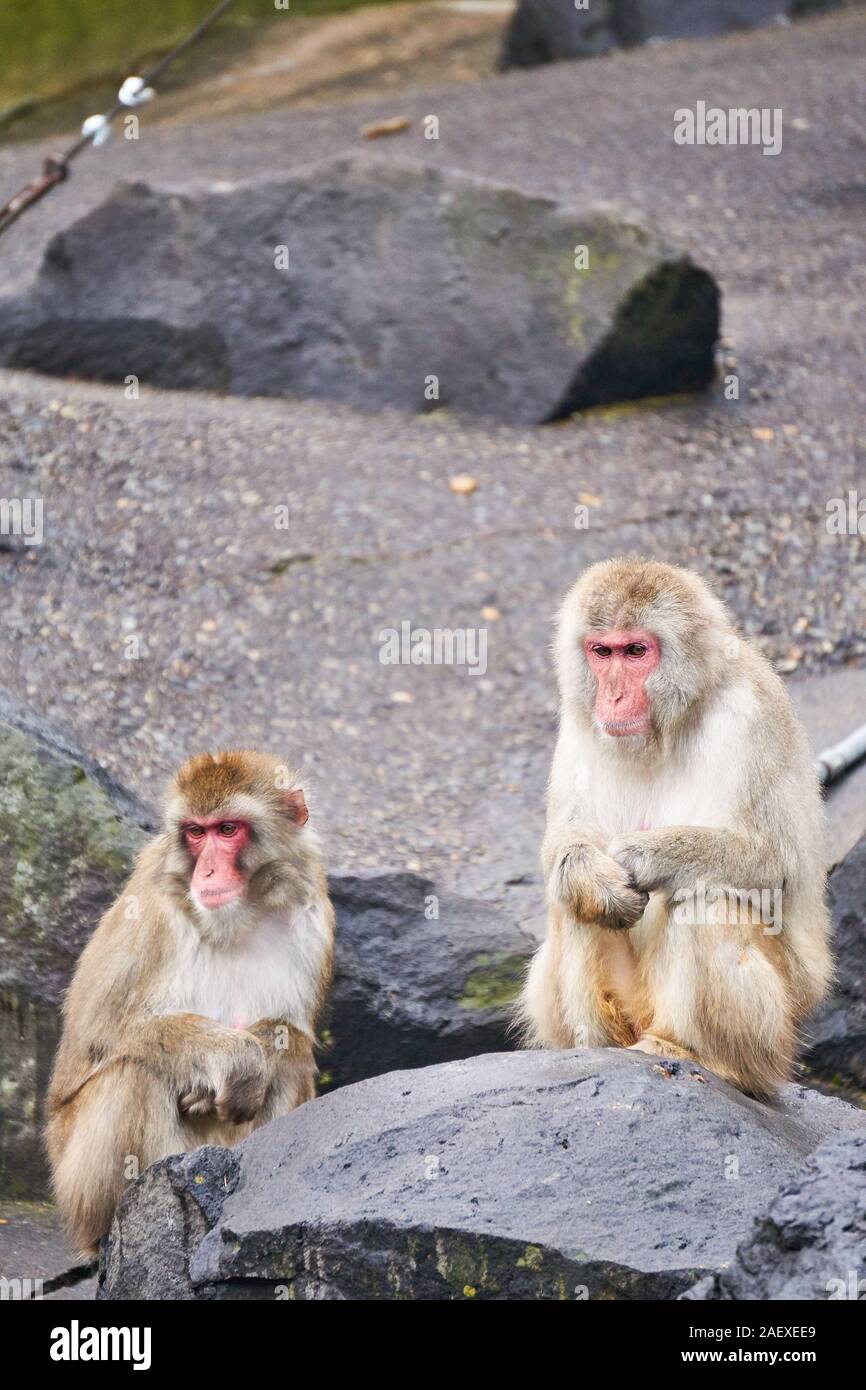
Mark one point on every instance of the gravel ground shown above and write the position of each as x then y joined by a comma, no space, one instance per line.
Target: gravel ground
159,513
32,1246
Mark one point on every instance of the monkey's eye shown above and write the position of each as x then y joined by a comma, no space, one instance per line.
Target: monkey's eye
228,828
601,651
635,649
194,831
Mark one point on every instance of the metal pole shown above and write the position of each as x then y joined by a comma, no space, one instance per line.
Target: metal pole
842,756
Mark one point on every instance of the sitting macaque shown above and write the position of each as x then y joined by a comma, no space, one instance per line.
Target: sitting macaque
684,850
191,1016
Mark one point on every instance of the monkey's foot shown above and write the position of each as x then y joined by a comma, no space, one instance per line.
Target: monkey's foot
660,1047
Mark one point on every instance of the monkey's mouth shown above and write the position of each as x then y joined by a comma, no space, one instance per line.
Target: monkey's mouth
217,897
621,728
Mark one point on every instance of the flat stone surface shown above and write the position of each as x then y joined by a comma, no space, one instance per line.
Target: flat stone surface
517,1175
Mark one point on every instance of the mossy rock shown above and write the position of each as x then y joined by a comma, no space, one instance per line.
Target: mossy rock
422,976
68,836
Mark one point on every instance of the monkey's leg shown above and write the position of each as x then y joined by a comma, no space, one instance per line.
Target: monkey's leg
661,1047
570,999
120,1122
719,993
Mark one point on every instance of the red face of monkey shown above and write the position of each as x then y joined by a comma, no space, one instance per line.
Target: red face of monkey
215,846
621,662
217,843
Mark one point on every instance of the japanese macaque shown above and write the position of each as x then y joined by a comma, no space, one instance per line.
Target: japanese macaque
191,1016
683,856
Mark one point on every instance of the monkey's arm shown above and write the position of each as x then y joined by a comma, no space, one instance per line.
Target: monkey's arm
206,1066
291,1066
591,885
675,856
211,1068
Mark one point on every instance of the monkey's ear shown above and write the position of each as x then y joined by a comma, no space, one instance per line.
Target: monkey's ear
296,806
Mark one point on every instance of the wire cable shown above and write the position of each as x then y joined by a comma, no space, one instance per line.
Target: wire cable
95,130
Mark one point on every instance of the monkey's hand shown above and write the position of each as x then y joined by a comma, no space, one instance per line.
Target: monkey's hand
595,888
291,1065
200,1099
244,1083
641,856
230,1080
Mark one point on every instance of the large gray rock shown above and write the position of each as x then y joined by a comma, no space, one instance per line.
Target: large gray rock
812,1243
398,273
546,31
600,1174
68,835
836,1051
420,977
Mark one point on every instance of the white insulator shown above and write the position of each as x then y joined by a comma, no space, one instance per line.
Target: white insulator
134,93
98,127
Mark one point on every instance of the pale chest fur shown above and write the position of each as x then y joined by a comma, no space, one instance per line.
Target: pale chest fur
273,971
700,786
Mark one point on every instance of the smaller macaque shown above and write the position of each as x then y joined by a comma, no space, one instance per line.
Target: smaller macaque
191,1016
